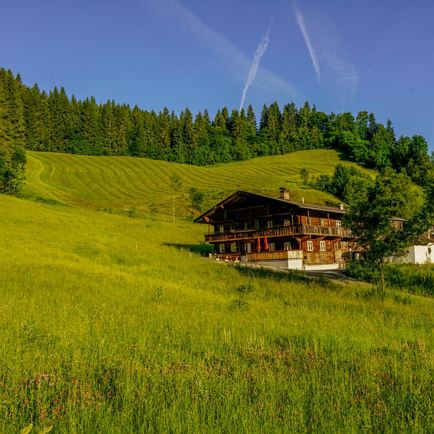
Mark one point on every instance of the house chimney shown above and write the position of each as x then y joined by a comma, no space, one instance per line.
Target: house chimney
284,193
341,206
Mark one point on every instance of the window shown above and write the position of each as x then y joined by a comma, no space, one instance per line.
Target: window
338,246
222,229
221,248
338,223
310,246
269,224
287,245
245,225
272,247
322,222
322,246
234,247
286,222
248,248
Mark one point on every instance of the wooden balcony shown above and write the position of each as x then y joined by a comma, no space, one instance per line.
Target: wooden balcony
280,231
263,256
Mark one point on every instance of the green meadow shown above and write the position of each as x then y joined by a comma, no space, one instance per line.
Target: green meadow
142,185
110,324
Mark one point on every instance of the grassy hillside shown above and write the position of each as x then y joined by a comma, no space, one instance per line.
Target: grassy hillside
107,329
107,325
126,183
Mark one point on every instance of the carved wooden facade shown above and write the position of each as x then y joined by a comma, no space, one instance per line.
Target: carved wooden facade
254,227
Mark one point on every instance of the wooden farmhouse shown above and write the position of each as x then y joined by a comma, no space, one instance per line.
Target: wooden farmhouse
278,232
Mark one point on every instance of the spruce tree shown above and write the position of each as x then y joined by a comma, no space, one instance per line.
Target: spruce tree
251,130
202,127
238,133
37,119
178,153
58,104
163,133
90,135
188,136
288,131
137,141
220,139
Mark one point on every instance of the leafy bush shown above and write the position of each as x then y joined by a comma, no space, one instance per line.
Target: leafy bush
346,183
12,168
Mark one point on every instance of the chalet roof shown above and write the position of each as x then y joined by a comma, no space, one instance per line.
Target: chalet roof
301,205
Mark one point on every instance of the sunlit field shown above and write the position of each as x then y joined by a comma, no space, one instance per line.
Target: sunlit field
143,186
110,324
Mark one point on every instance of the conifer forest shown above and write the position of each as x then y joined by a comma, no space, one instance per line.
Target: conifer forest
36,120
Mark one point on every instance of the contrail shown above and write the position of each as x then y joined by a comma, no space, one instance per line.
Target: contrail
260,51
331,69
231,58
307,40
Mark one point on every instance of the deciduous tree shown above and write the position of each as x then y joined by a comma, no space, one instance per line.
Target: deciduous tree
371,219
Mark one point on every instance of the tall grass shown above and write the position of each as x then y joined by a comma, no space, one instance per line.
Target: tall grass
106,328
418,279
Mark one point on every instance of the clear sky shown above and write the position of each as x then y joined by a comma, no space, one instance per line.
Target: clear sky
341,55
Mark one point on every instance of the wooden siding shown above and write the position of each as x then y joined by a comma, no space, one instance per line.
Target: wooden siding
319,221
319,258
243,218
290,254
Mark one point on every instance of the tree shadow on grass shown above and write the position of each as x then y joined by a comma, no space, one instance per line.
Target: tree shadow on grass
199,249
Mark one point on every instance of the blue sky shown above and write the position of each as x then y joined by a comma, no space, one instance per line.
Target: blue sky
340,55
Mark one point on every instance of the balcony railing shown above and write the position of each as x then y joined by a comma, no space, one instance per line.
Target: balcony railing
279,231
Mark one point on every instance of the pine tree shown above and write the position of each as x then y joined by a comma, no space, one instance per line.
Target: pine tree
90,128
251,130
188,136
58,104
238,133
163,133
137,139
12,126
109,134
12,133
36,116
220,140
202,127
74,127
270,129
123,126
4,121
150,124
288,131
178,153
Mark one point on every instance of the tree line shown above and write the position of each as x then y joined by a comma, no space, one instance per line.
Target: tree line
53,121
12,134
